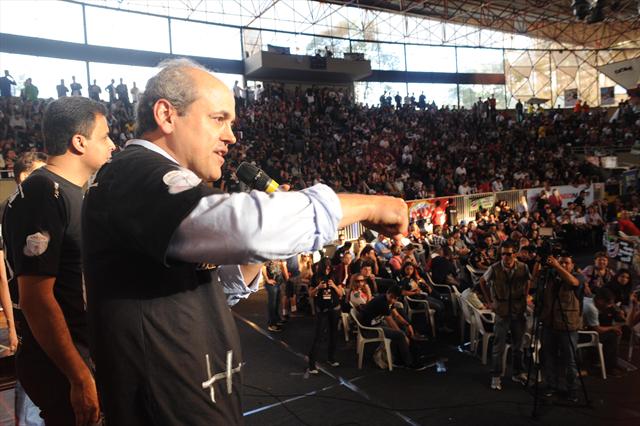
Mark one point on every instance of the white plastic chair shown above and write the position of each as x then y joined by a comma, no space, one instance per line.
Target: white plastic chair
527,341
467,318
425,309
594,341
446,288
481,318
475,274
344,324
361,340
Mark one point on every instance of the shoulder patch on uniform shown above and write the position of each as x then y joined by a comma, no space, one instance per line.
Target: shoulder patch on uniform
36,244
180,180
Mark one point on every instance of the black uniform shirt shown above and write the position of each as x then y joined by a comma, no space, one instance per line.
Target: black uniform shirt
42,234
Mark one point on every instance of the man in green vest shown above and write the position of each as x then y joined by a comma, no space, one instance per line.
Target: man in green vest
506,285
561,319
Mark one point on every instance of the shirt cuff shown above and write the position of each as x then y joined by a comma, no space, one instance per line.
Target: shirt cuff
328,209
234,285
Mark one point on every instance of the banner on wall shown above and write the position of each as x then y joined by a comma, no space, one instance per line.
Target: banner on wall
568,193
278,49
619,249
607,96
570,98
484,202
625,73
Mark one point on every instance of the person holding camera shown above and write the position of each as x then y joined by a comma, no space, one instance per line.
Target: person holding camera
506,285
326,295
561,306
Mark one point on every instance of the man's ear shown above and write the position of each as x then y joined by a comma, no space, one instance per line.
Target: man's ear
165,115
78,144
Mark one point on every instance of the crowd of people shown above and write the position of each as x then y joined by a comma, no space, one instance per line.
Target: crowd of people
498,264
320,134
306,138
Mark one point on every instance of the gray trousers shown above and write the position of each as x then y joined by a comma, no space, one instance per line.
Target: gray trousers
501,329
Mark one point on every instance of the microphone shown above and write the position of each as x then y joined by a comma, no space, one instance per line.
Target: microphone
256,178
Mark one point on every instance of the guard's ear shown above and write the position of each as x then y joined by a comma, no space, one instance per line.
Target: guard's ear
78,144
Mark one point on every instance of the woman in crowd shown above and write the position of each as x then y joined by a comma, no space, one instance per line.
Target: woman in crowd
359,291
621,287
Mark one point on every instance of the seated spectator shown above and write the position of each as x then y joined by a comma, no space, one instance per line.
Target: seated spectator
396,260
340,272
382,306
367,255
382,247
473,295
413,286
359,291
601,315
443,270
597,275
621,288
627,226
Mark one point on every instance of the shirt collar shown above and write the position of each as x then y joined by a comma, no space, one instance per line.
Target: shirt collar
151,146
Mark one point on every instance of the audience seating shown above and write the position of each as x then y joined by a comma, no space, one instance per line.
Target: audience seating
362,341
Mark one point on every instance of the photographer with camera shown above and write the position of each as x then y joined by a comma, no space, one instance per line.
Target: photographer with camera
603,316
506,285
561,320
326,295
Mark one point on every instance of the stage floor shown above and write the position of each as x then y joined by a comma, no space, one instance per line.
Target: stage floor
277,392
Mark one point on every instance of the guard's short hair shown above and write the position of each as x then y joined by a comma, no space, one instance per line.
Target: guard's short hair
395,291
66,117
605,294
24,163
171,83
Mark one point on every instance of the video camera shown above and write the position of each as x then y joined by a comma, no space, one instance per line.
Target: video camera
549,247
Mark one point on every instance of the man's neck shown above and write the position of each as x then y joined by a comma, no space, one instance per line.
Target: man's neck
68,167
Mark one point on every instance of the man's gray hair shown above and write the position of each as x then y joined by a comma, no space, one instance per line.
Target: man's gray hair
171,83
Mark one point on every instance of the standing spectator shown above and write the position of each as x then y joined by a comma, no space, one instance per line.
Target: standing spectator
398,100
30,91
506,285
5,84
123,93
237,93
111,90
94,91
62,89
76,88
519,112
135,93
326,296
274,278
561,321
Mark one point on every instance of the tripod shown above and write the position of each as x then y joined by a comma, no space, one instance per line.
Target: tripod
537,327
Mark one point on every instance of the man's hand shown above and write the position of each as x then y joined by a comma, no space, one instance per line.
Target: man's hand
384,214
84,401
13,339
390,216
